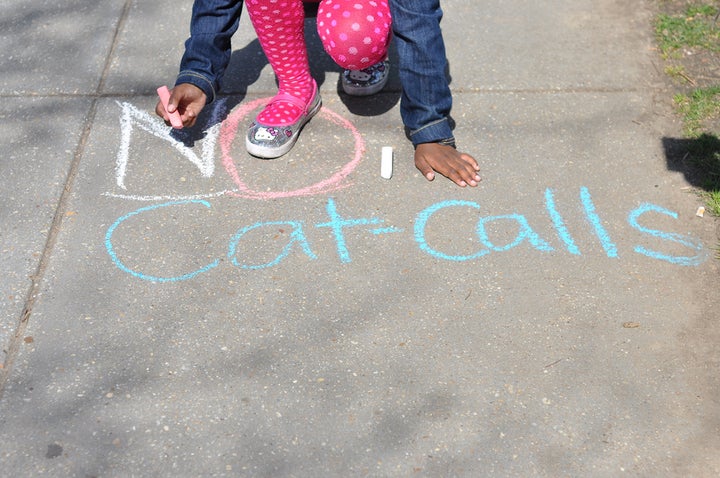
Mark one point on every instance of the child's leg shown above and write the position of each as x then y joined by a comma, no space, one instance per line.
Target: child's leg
355,33
279,25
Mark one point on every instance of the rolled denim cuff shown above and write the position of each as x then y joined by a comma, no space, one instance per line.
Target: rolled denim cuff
434,132
201,81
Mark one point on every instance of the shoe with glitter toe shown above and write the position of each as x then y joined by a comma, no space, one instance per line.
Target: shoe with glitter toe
366,82
269,142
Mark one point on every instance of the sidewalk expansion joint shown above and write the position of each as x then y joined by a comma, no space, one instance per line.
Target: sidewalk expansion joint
38,277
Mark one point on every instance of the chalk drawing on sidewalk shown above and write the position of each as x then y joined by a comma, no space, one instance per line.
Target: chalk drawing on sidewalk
222,134
686,241
334,182
559,223
340,225
120,265
158,198
133,118
594,219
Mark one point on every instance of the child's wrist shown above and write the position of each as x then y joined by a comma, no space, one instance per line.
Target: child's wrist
445,142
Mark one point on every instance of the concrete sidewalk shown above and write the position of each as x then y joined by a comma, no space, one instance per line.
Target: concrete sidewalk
173,307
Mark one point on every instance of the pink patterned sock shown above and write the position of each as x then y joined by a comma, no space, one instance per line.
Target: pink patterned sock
355,33
279,25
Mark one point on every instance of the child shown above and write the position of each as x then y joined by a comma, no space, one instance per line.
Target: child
426,99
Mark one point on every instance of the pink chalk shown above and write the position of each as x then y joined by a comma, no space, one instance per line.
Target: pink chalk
164,95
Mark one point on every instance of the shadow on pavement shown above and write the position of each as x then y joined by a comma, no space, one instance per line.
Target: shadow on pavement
697,158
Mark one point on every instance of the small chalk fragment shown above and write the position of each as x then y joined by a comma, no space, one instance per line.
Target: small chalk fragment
700,212
164,95
386,163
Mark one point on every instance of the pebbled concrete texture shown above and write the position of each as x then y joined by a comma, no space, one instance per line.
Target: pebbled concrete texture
198,312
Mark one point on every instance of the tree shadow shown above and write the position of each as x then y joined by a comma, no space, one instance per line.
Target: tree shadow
697,158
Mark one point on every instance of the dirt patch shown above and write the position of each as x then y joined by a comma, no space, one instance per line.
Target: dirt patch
690,67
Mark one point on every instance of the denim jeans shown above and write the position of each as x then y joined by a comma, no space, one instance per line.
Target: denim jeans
426,98
207,51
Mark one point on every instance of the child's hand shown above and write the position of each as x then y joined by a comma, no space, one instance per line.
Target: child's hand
460,168
188,100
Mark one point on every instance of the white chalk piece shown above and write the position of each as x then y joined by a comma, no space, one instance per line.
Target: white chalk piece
386,164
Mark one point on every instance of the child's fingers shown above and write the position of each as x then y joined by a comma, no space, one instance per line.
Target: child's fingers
432,158
160,111
174,101
189,117
424,167
470,160
188,100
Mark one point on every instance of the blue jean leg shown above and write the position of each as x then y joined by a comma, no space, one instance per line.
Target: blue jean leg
426,99
207,51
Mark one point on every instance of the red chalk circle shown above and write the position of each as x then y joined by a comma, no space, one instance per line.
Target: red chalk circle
229,129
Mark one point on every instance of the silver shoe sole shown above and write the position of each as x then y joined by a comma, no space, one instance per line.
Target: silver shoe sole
278,140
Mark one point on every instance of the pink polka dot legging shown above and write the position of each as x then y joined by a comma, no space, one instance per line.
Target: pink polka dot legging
355,33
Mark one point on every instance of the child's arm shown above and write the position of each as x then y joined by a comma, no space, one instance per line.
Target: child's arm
206,57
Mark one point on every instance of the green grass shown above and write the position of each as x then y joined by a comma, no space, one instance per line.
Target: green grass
712,199
697,27
697,108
